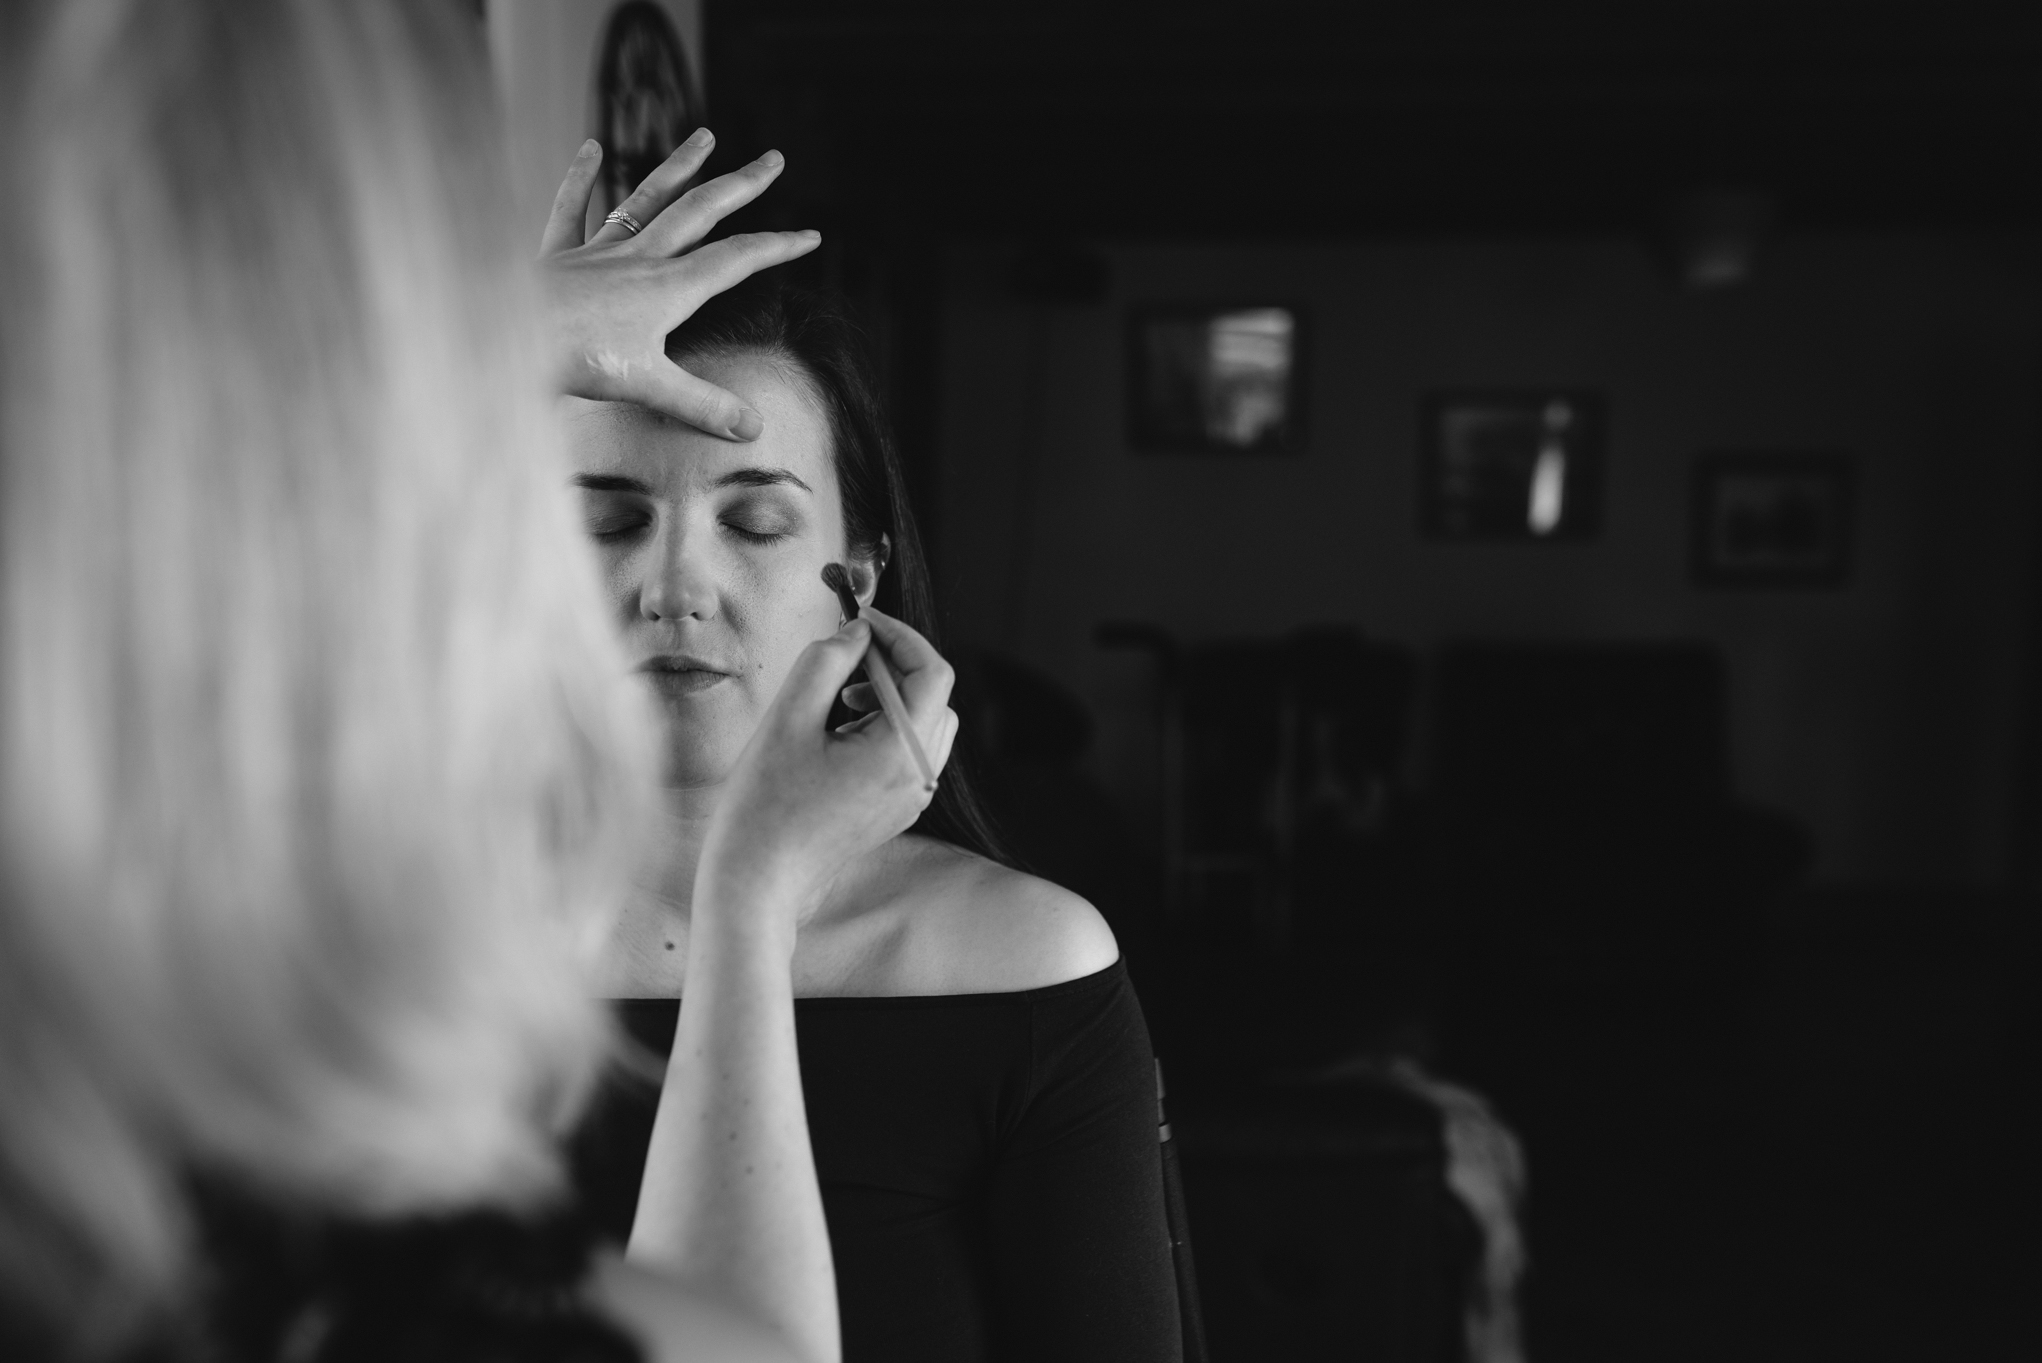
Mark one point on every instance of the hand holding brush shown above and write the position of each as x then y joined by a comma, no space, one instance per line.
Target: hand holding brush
884,684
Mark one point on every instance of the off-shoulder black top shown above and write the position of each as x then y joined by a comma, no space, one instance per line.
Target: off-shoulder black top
989,1165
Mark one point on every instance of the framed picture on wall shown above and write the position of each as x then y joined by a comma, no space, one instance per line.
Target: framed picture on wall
1215,380
1772,520
1515,465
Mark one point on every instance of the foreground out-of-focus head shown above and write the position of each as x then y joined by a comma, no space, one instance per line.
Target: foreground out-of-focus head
319,769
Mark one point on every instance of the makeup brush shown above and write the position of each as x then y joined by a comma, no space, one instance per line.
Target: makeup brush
881,673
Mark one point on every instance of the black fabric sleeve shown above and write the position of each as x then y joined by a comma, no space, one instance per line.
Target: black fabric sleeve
1079,1245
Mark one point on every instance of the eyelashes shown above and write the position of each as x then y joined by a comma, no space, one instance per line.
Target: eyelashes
615,529
754,520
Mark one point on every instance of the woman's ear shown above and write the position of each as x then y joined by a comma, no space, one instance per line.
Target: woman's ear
866,572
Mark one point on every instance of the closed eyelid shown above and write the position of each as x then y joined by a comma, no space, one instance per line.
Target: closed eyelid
771,498
611,510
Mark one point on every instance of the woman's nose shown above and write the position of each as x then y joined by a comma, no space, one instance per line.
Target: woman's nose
677,582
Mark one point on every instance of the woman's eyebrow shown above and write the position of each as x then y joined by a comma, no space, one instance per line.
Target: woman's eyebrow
761,478
610,482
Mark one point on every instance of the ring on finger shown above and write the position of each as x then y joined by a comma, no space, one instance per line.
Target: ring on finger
625,220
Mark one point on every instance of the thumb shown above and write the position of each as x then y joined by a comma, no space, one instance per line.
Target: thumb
666,387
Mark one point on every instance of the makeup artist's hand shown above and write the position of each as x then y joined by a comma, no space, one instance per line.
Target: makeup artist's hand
610,301
804,800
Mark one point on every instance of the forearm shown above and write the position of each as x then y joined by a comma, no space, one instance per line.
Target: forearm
729,1200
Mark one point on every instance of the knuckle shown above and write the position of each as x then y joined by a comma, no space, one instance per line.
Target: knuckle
724,195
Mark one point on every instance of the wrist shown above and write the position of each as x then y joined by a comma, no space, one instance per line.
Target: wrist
749,905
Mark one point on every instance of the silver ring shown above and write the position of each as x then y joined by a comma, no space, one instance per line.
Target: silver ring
623,219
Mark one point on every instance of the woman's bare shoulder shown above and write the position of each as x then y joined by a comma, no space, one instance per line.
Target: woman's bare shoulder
978,927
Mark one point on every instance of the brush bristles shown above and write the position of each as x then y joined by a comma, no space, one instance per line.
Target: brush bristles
839,581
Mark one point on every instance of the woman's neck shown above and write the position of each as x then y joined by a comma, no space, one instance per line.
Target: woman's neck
685,812
647,950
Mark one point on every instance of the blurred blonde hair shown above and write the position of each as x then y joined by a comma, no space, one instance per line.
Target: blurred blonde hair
319,771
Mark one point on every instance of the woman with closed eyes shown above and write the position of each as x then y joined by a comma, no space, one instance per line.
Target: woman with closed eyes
979,1086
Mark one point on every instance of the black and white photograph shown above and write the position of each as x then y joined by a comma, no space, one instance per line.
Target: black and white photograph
1772,520
1512,466
1215,380
1144,681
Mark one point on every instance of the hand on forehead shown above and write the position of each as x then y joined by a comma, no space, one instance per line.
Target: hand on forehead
610,437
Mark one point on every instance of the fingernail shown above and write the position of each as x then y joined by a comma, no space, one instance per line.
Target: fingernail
701,137
749,424
772,158
589,148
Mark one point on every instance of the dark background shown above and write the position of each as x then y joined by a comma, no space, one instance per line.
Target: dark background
1776,1102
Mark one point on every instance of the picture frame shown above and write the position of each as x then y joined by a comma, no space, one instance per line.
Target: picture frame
1772,519
1213,378
1512,465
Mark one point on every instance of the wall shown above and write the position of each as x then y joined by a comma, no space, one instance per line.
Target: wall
544,53
1886,714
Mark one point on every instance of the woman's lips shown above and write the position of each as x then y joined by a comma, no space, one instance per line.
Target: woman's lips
680,676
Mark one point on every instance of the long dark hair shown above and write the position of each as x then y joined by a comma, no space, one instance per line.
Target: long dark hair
812,331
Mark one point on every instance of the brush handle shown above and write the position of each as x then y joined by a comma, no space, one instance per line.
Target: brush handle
881,673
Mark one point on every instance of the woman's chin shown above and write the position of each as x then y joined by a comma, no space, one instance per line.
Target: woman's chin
689,771
692,764
702,745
